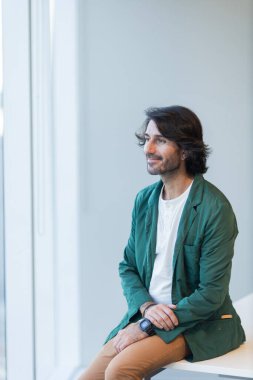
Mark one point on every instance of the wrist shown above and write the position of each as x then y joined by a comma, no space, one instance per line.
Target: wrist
139,332
146,327
146,306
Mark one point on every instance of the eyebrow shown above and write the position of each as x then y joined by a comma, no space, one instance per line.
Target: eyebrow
146,134
155,136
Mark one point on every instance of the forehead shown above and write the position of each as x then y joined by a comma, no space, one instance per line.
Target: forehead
152,129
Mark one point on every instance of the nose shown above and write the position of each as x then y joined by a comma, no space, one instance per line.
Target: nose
149,147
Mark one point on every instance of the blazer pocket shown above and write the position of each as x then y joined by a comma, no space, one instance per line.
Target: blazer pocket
221,335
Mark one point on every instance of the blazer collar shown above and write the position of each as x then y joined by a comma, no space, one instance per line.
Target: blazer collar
154,197
194,197
196,192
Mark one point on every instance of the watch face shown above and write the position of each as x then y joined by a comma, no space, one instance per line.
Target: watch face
145,324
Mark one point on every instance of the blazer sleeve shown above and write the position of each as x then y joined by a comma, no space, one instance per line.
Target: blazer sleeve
134,290
215,268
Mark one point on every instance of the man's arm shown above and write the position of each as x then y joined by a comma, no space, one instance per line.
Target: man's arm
134,290
215,268
137,295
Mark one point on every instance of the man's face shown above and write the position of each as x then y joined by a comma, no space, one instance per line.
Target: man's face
164,157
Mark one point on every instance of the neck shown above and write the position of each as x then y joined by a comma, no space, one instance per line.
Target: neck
175,185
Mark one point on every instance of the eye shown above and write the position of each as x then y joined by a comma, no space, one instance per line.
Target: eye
161,140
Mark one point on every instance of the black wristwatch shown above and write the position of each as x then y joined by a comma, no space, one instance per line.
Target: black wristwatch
146,326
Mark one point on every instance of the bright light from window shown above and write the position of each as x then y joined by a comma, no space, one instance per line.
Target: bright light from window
1,75
1,122
51,20
1,51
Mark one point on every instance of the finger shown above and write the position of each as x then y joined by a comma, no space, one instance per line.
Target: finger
165,312
161,317
117,343
116,347
164,320
154,321
171,315
123,344
171,306
158,320
155,316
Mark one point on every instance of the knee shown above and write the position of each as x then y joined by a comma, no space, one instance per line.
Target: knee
87,376
82,377
112,372
121,371
115,371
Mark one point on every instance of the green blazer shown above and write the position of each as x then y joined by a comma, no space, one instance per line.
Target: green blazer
201,269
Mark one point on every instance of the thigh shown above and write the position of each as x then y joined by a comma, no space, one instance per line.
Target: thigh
144,357
96,370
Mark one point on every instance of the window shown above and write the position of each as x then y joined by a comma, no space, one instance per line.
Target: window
41,191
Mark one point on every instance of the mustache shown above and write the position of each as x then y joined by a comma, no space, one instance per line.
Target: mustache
154,156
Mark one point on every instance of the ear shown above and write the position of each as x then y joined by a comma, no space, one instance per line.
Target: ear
183,155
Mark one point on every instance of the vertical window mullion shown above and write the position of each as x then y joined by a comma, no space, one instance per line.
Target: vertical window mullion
18,238
43,186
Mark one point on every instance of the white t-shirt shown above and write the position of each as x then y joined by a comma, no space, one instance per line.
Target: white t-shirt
169,214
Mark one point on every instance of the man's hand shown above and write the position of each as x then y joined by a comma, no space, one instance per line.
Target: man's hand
131,334
162,316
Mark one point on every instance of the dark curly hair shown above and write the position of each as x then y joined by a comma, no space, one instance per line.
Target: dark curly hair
181,125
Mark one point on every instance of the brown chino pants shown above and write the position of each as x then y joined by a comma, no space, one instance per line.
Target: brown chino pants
136,361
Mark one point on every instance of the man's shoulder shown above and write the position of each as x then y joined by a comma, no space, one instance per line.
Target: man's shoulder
215,205
147,192
216,209
213,195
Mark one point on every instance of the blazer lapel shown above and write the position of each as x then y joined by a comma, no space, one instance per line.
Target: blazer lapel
151,229
187,218
188,215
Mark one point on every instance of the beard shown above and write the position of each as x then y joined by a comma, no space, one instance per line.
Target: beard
162,166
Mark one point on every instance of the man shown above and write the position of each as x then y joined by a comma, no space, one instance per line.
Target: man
177,264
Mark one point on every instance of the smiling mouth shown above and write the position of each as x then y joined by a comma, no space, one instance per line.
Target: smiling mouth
150,160
153,159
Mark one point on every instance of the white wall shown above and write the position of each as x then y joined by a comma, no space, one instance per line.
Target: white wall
135,54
